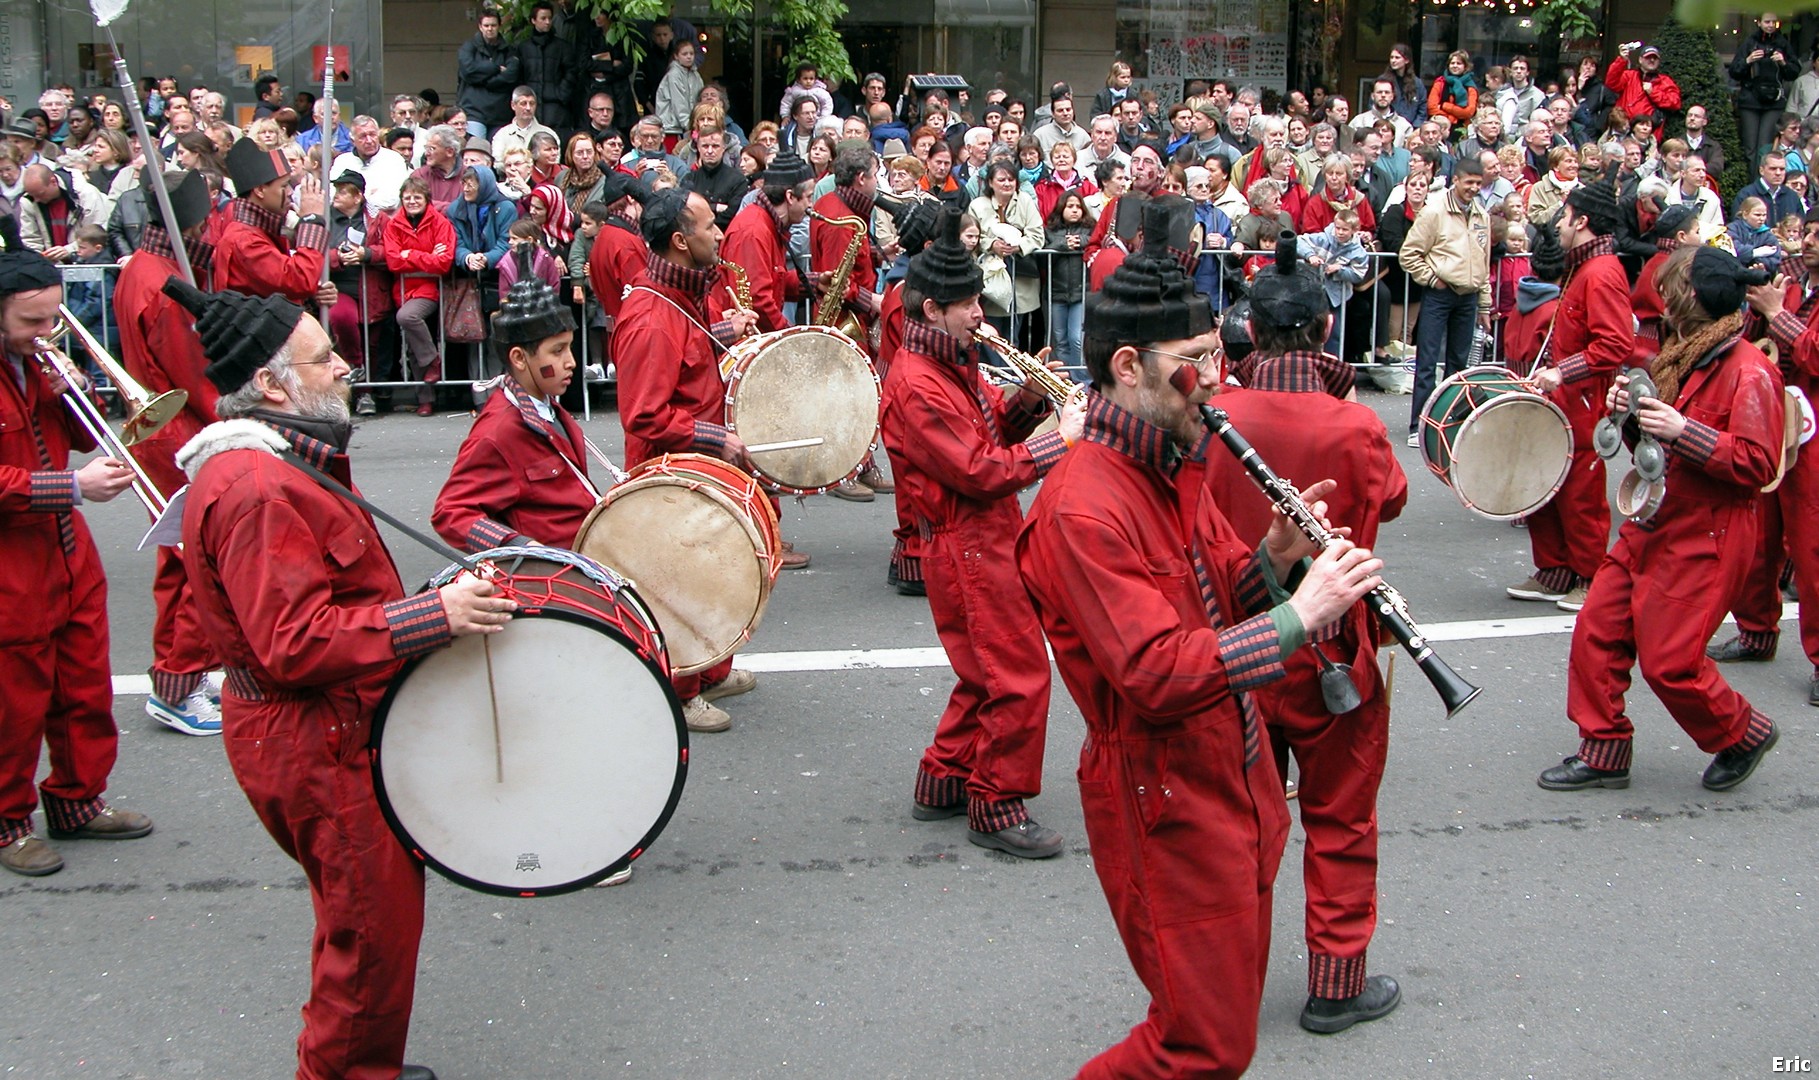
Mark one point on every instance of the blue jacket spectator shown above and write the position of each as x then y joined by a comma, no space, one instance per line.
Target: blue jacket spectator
482,219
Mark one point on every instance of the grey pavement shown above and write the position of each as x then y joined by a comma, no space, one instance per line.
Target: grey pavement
794,921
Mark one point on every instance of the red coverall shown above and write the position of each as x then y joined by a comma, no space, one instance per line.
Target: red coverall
1155,647
961,456
827,245
753,242
510,483
1594,333
299,596
906,538
1648,306
160,349
1790,516
671,397
58,689
1666,584
252,256
614,262
1307,435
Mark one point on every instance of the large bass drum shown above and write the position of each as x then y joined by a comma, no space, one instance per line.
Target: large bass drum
1502,448
701,540
798,383
545,757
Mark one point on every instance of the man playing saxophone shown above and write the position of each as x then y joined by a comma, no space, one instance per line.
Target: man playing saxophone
841,253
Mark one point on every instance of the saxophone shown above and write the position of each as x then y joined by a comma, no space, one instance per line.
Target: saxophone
833,311
1031,371
742,284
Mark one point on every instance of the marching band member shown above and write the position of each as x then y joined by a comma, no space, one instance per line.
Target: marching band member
1593,333
758,238
251,253
1161,628
160,349
299,596
618,255
1302,415
855,175
1666,583
914,231
672,398
54,646
961,454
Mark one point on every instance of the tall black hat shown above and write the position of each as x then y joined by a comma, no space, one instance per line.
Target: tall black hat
945,271
240,333
787,168
1287,295
530,312
1150,297
250,165
1547,259
22,269
189,197
1598,201
916,220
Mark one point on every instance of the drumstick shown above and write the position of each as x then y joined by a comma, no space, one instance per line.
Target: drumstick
787,444
486,646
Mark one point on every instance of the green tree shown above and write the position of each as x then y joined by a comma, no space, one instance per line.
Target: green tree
1687,55
813,36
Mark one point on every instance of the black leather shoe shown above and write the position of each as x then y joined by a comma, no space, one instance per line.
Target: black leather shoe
1812,691
1324,1016
1734,652
1572,774
1732,767
906,587
416,1072
1026,841
925,812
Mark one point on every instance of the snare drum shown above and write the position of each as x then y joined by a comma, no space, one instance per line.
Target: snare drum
701,541
1502,448
798,383
545,757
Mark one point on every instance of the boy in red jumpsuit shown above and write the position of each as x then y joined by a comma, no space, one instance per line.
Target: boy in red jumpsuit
1666,583
299,597
1790,516
53,647
251,254
160,349
961,456
1592,335
672,400
1161,628
1302,415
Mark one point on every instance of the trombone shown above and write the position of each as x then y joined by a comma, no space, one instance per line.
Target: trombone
146,413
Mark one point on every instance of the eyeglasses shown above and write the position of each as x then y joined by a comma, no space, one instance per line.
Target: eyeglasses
1207,363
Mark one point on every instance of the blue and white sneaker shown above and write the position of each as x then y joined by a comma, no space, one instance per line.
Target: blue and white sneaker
196,716
211,682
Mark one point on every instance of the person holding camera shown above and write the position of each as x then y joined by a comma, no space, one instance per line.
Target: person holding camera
1762,68
1642,88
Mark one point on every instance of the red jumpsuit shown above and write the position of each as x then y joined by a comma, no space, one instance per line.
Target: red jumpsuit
1307,435
1666,584
1593,335
613,263
961,456
517,478
1184,812
299,596
906,538
754,242
57,688
253,257
1790,516
827,246
159,346
671,397
1648,306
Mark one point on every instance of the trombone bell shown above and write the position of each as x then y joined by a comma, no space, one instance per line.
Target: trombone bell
145,414
147,419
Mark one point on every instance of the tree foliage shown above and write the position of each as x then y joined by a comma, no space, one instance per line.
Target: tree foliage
1573,20
811,23
1689,58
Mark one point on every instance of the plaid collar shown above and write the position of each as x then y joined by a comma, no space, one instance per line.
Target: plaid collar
1666,244
860,205
1126,433
1304,373
1579,256
533,418
937,344
153,240
318,452
259,218
695,284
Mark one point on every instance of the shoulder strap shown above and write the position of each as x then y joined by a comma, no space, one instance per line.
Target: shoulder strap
334,487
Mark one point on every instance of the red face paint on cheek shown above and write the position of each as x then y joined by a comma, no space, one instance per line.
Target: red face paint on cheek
548,371
1185,378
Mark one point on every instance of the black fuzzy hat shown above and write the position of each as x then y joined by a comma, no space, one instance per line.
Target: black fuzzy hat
915,218
1287,295
1719,281
22,269
1598,201
618,185
250,165
189,197
530,312
240,333
1150,297
1547,259
946,272
787,168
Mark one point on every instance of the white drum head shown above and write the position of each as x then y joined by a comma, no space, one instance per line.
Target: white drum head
576,776
799,383
1511,456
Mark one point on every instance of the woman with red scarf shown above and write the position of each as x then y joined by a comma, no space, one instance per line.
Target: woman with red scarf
1335,193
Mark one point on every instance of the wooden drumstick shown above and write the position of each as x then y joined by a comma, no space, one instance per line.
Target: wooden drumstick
787,444
486,646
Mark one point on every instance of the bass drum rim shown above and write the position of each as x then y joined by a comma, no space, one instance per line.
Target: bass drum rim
1466,428
744,353
375,755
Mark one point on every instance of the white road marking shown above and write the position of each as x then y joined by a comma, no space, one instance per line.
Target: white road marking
935,657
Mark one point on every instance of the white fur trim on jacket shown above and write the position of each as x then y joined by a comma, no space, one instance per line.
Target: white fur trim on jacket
228,435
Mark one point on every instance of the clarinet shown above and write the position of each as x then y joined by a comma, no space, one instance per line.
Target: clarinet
1386,603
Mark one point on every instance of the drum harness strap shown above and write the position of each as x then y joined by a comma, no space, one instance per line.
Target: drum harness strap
334,487
726,351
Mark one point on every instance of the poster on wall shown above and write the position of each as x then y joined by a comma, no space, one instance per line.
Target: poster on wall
1246,41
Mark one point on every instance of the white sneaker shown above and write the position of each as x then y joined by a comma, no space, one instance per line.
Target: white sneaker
1414,439
197,715
703,716
212,682
610,880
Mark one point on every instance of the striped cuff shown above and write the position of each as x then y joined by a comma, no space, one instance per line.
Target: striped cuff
722,332
175,687
1335,977
1020,412
1252,652
1574,368
13,830
418,624
1697,443
990,817
487,533
55,492
1252,589
1046,451
1784,329
939,790
1755,734
68,815
709,439
1609,755
310,236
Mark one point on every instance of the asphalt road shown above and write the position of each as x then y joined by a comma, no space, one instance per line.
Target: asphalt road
794,921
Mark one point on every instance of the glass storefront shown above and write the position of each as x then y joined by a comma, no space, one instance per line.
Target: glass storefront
1169,43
